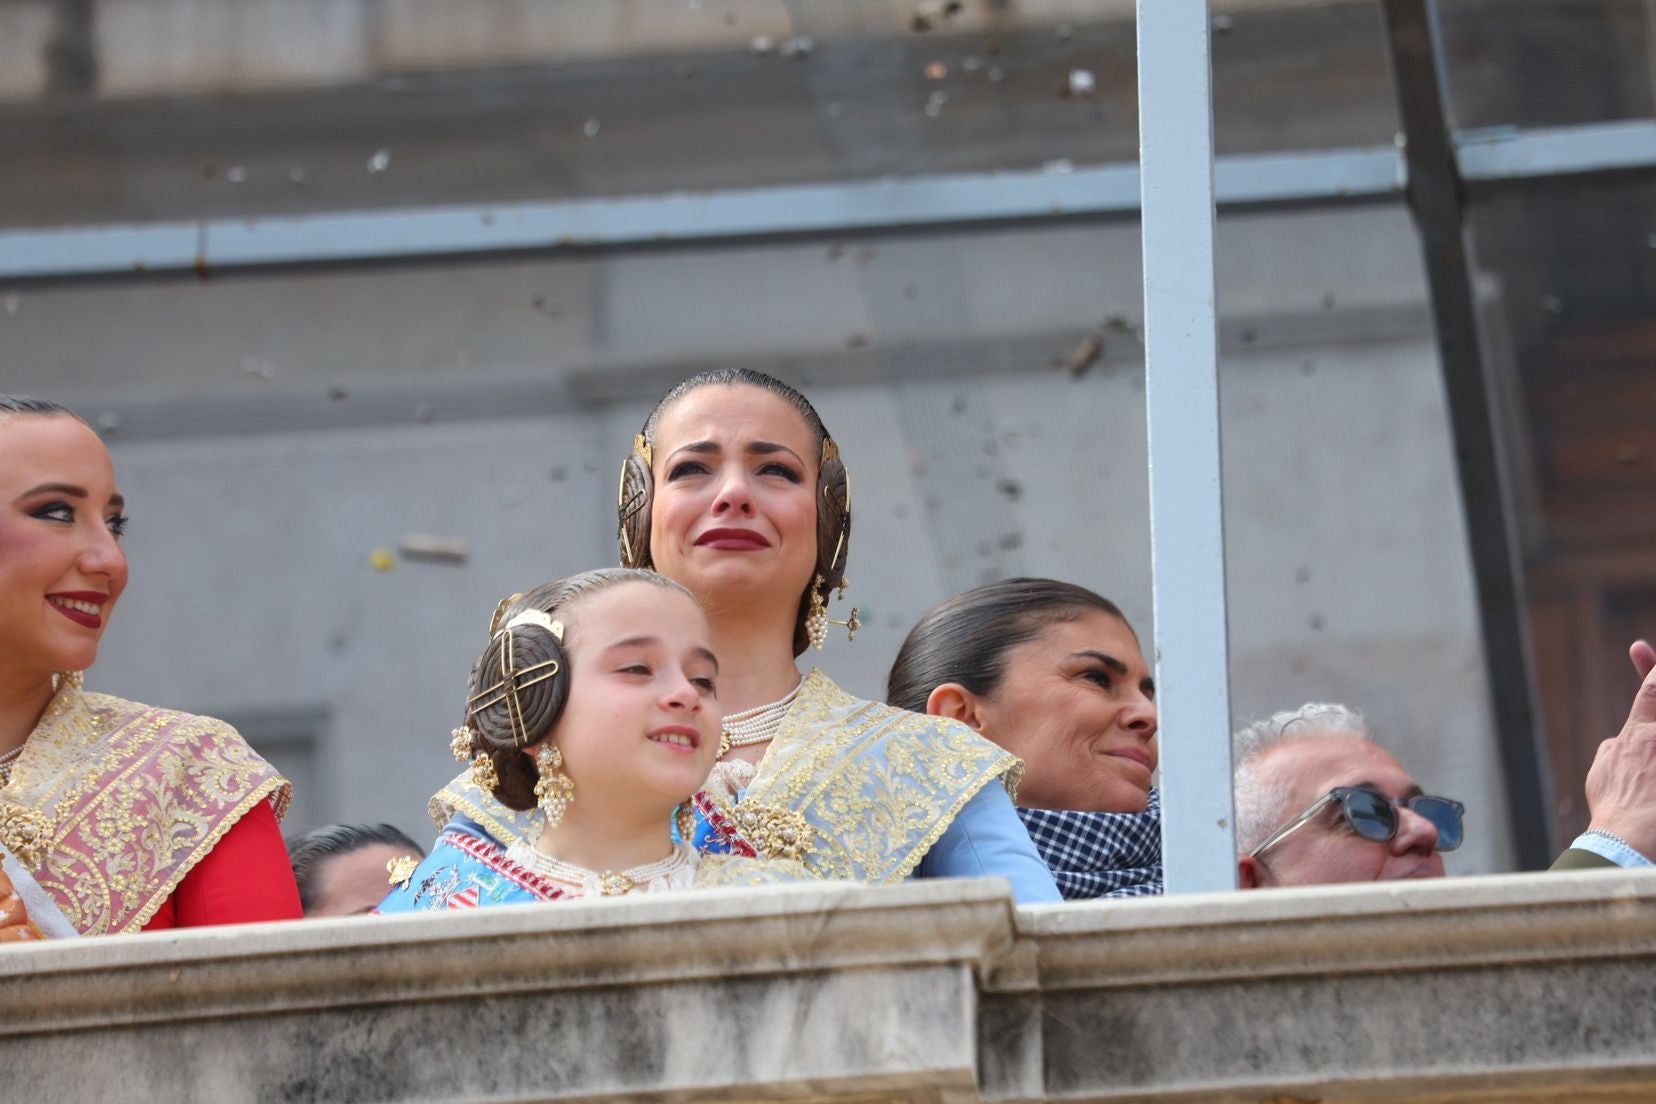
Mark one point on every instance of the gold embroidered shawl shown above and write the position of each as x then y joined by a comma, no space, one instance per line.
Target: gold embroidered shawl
112,803
870,788
739,872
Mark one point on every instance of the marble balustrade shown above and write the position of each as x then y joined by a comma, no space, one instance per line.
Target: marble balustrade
1514,988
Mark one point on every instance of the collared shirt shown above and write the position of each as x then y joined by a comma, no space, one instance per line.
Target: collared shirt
1608,846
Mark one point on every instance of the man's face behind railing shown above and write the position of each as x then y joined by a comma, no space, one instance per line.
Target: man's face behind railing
1326,848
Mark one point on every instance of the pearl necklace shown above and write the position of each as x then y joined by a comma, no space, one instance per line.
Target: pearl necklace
673,872
757,725
6,761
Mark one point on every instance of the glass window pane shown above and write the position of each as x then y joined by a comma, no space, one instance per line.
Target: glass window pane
1570,276
1544,63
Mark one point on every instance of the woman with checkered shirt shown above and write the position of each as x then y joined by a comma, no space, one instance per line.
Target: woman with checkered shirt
1053,673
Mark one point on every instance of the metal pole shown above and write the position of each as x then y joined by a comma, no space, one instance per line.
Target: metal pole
1187,540
1436,196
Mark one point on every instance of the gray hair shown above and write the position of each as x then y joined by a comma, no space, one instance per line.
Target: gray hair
1261,802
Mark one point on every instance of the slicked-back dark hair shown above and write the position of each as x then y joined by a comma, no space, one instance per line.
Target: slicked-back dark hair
738,377
965,640
308,853
26,404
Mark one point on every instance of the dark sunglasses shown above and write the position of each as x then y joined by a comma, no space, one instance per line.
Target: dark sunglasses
1373,816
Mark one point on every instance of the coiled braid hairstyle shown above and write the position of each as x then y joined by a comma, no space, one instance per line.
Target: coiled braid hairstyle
516,695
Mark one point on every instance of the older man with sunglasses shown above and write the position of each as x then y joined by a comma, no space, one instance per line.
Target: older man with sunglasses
1318,802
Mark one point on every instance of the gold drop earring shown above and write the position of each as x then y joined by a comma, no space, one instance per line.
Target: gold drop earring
817,619
554,790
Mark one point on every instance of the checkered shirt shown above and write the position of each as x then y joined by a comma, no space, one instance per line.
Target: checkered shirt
1100,854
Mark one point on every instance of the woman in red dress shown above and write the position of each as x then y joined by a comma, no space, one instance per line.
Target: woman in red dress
114,816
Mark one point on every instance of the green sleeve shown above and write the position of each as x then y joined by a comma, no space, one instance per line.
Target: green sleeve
1576,859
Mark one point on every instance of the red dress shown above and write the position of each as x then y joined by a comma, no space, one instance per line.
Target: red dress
245,878
135,818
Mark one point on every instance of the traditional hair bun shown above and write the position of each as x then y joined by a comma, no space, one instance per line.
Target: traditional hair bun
518,689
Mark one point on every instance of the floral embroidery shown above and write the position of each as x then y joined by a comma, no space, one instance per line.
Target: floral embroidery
738,871
878,786
123,800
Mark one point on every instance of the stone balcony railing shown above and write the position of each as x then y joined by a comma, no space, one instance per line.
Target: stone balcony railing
1525,987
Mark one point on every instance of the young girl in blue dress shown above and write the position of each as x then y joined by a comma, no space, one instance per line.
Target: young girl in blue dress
596,703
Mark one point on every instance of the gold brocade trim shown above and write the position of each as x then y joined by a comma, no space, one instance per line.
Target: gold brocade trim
879,786
1013,778
25,833
278,790
461,795
775,832
132,799
737,871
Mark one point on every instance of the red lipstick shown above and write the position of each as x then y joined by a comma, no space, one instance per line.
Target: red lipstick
733,540
79,617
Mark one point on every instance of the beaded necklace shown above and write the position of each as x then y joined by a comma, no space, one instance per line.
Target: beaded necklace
756,725
6,761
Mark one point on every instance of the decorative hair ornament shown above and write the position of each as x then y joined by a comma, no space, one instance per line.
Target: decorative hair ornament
554,790
460,744
538,617
500,611
514,680
632,504
483,772
836,562
401,869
